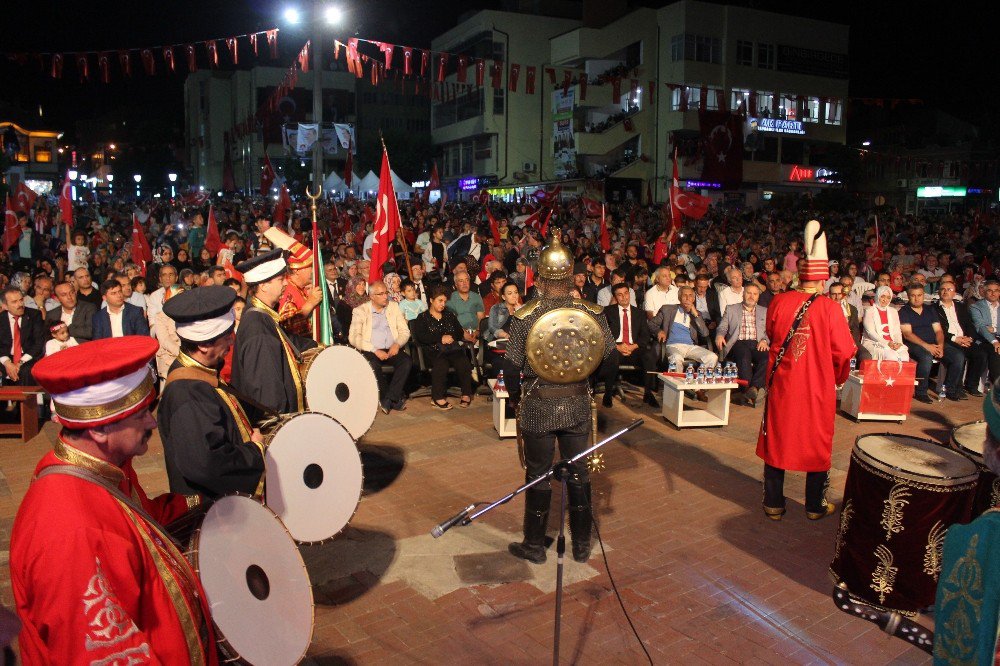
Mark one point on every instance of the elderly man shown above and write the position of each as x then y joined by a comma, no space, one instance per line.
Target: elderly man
984,317
631,338
959,333
77,315
379,331
838,294
742,338
42,296
95,576
22,339
661,293
924,338
118,318
678,327
733,294
168,289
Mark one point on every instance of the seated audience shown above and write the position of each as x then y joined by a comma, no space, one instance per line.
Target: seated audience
742,338
440,336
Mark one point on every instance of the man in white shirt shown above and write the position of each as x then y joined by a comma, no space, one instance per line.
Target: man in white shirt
42,299
604,295
661,293
733,294
168,288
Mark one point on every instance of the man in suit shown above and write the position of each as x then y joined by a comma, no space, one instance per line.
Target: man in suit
680,327
77,315
742,338
631,336
775,285
706,301
960,333
22,339
335,286
118,318
984,317
379,331
838,293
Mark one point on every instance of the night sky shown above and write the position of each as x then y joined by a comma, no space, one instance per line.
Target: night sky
938,54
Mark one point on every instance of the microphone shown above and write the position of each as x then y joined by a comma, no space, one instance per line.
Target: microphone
451,522
635,424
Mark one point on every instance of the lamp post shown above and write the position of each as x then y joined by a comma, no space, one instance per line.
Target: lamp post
111,180
138,179
172,177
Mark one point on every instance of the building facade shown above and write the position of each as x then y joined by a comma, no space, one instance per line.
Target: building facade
33,156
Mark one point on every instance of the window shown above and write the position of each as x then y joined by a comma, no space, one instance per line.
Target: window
467,157
499,96
744,53
788,108
43,154
810,110
456,158
738,99
765,56
834,108
764,102
677,48
696,47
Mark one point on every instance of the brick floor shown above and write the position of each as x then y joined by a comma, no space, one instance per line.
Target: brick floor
706,577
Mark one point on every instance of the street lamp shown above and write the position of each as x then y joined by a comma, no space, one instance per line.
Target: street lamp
111,179
138,179
333,15
73,173
292,15
172,177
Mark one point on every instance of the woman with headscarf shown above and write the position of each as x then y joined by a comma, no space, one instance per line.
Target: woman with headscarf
882,338
392,285
355,293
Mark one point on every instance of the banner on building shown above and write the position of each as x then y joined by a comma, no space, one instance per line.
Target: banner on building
563,139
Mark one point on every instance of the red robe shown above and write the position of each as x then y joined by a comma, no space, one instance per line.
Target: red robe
94,582
290,307
802,401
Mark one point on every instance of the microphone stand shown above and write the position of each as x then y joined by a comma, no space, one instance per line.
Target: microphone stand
562,470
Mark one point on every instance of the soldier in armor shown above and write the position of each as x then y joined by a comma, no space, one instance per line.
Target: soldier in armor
551,409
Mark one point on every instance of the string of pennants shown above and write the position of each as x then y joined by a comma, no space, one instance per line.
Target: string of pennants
167,57
905,166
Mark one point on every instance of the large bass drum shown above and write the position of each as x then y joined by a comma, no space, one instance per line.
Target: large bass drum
969,439
313,475
902,495
340,382
255,582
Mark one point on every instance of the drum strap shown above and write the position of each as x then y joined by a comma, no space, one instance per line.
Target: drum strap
781,353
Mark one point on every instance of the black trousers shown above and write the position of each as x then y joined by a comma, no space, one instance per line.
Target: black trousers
539,449
24,376
751,364
391,390
611,367
992,360
459,361
976,361
774,489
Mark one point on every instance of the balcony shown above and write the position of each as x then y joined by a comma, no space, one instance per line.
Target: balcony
601,143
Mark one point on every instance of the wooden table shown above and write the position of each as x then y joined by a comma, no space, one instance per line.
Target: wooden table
504,426
28,397
715,413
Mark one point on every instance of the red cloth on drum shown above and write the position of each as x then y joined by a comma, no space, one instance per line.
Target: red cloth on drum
290,307
94,582
802,400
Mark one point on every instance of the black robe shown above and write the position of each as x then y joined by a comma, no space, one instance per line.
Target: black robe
204,450
260,368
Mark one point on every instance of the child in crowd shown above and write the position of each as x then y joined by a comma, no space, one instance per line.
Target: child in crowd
78,253
60,339
410,305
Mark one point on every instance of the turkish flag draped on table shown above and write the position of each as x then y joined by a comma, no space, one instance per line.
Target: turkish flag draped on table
213,241
386,221
888,386
722,148
66,203
142,253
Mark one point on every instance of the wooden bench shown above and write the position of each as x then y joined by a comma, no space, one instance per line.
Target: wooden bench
28,397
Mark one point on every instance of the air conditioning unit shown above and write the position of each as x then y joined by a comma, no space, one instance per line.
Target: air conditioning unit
901,182
529,167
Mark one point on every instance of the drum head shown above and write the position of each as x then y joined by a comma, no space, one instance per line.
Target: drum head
313,476
970,438
256,583
341,383
915,459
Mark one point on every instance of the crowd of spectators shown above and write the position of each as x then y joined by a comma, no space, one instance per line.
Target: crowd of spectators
922,289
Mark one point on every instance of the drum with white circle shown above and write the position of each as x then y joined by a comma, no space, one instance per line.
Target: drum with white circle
255,582
969,440
340,382
313,475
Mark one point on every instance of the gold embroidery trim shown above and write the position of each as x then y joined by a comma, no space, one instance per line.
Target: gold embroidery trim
934,550
134,397
912,483
845,521
191,618
892,513
74,456
884,576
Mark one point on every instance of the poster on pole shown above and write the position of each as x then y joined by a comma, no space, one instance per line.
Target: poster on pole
563,139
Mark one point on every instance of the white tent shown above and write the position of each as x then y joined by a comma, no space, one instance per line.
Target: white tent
334,184
369,183
403,189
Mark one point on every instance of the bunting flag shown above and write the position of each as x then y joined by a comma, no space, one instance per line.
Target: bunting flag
272,41
605,236
322,326
531,72
494,227
213,53
512,76
83,66
213,241
192,57
142,253
11,229
66,202
104,67
168,57
463,67
148,63
234,49
387,221
267,175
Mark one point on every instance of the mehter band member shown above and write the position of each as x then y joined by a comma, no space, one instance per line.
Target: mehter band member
266,360
300,296
209,444
551,412
810,355
95,577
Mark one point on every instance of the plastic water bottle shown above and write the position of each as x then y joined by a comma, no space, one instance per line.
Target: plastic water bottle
728,372
717,374
941,393
672,368
500,384
854,364
702,370
689,374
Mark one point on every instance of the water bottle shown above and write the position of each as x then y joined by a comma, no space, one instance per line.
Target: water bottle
672,368
689,374
717,379
854,364
941,393
701,373
728,373
500,385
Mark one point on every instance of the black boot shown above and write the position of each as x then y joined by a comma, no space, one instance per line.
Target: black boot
536,519
579,519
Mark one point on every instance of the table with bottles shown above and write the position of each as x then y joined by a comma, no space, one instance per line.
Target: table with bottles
504,425
716,381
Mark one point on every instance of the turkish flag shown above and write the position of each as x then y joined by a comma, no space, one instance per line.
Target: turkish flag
142,253
592,208
283,207
722,148
546,197
433,184
545,226
66,202
196,198
689,203
11,229
231,271
213,241
267,176
25,197
605,236
386,221
494,227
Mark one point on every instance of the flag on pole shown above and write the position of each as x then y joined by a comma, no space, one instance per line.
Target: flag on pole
529,279
25,197
433,184
213,241
284,206
878,254
349,164
66,202
322,327
605,236
494,227
142,253
267,176
11,229
386,221
545,226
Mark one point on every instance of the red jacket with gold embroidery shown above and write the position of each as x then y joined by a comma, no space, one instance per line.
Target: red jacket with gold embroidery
94,582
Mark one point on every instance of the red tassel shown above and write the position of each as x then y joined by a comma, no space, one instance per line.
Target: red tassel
234,49
125,62
442,66
253,42
529,82
463,65
480,71
192,57
147,61
213,53
57,65
83,65
104,64
272,41
512,77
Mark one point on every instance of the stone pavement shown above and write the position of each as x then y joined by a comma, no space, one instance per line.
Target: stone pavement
705,576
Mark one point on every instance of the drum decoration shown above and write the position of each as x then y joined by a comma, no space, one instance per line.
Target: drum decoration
969,439
255,583
313,475
341,383
902,494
